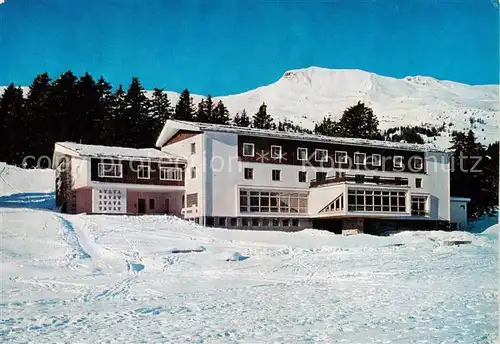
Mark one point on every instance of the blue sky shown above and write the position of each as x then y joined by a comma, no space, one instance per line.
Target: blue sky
225,47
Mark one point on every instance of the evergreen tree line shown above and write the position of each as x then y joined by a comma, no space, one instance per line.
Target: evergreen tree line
85,110
474,172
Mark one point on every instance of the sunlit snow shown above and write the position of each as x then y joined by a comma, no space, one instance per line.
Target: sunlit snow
82,278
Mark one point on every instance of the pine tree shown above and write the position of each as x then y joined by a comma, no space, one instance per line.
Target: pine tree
491,173
220,115
359,121
242,120
89,112
262,120
327,127
106,100
135,120
39,117
113,122
63,102
467,178
184,110
161,110
13,125
288,126
201,112
209,109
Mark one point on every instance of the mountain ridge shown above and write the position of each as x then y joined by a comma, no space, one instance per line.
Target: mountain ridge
305,96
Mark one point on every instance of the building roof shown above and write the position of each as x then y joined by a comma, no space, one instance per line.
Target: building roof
94,151
460,199
173,126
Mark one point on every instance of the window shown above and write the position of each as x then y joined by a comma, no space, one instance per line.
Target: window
245,222
255,201
335,206
295,222
221,221
359,179
321,155
248,149
151,203
417,163
193,148
302,154
143,172
234,221
320,176
255,222
418,183
302,176
359,158
376,201
397,161
376,160
276,152
276,175
418,205
170,173
191,200
110,170
341,157
285,222
193,172
248,173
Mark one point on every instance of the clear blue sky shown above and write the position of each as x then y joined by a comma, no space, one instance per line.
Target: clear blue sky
224,47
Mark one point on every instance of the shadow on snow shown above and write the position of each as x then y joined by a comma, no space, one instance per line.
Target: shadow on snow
33,200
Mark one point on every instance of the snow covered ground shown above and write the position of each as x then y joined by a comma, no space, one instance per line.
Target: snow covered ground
81,278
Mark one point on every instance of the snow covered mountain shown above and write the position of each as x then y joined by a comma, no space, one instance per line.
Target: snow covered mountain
305,96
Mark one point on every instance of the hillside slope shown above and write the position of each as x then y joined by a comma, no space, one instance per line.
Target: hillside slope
306,95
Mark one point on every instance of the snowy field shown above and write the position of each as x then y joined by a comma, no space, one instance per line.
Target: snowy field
81,278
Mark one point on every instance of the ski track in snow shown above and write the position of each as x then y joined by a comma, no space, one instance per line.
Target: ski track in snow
82,278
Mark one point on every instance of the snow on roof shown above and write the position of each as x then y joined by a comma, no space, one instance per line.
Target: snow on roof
172,126
84,150
459,199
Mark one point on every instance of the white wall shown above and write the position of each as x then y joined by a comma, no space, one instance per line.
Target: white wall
320,197
222,174
458,212
80,172
183,149
437,182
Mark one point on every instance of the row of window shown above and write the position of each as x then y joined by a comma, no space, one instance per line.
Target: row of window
273,202
376,201
385,201
111,170
251,222
321,155
302,176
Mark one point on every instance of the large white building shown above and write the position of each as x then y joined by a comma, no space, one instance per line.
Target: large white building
261,179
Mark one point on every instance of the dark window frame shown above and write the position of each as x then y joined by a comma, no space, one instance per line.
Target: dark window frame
248,173
273,175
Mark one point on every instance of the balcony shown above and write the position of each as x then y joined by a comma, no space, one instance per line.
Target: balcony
359,179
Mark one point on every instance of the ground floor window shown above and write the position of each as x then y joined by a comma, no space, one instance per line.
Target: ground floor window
272,202
419,205
376,201
238,222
